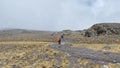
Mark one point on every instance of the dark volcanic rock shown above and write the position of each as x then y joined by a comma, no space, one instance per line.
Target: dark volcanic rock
103,29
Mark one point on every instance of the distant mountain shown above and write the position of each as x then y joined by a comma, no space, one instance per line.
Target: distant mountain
24,35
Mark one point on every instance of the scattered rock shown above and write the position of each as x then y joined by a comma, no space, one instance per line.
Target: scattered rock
107,47
15,66
105,66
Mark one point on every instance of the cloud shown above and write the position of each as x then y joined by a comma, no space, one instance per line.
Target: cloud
57,14
88,2
110,12
97,7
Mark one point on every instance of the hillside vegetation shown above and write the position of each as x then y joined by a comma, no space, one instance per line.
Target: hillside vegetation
95,47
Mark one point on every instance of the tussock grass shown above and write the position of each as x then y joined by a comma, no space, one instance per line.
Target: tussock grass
30,55
85,63
101,47
39,55
25,42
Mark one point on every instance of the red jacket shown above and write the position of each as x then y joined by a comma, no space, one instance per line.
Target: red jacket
59,39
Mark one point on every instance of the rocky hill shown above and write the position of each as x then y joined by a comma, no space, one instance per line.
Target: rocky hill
103,29
98,33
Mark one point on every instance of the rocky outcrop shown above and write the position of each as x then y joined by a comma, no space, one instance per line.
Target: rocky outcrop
103,29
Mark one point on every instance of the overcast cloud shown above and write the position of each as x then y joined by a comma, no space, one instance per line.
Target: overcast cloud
57,14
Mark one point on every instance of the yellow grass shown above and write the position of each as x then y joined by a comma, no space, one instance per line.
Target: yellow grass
27,55
30,54
101,47
87,63
84,63
24,42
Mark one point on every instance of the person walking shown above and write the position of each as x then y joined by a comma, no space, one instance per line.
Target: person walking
59,40
62,36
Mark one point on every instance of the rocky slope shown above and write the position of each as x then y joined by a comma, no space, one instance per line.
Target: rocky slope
103,29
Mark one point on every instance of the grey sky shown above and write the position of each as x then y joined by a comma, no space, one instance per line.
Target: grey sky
57,14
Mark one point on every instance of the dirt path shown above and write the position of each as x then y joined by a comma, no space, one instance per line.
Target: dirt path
82,52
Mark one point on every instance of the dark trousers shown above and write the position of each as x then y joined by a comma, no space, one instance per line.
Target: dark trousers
59,42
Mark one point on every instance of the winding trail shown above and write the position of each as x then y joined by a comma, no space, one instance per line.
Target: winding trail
82,52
